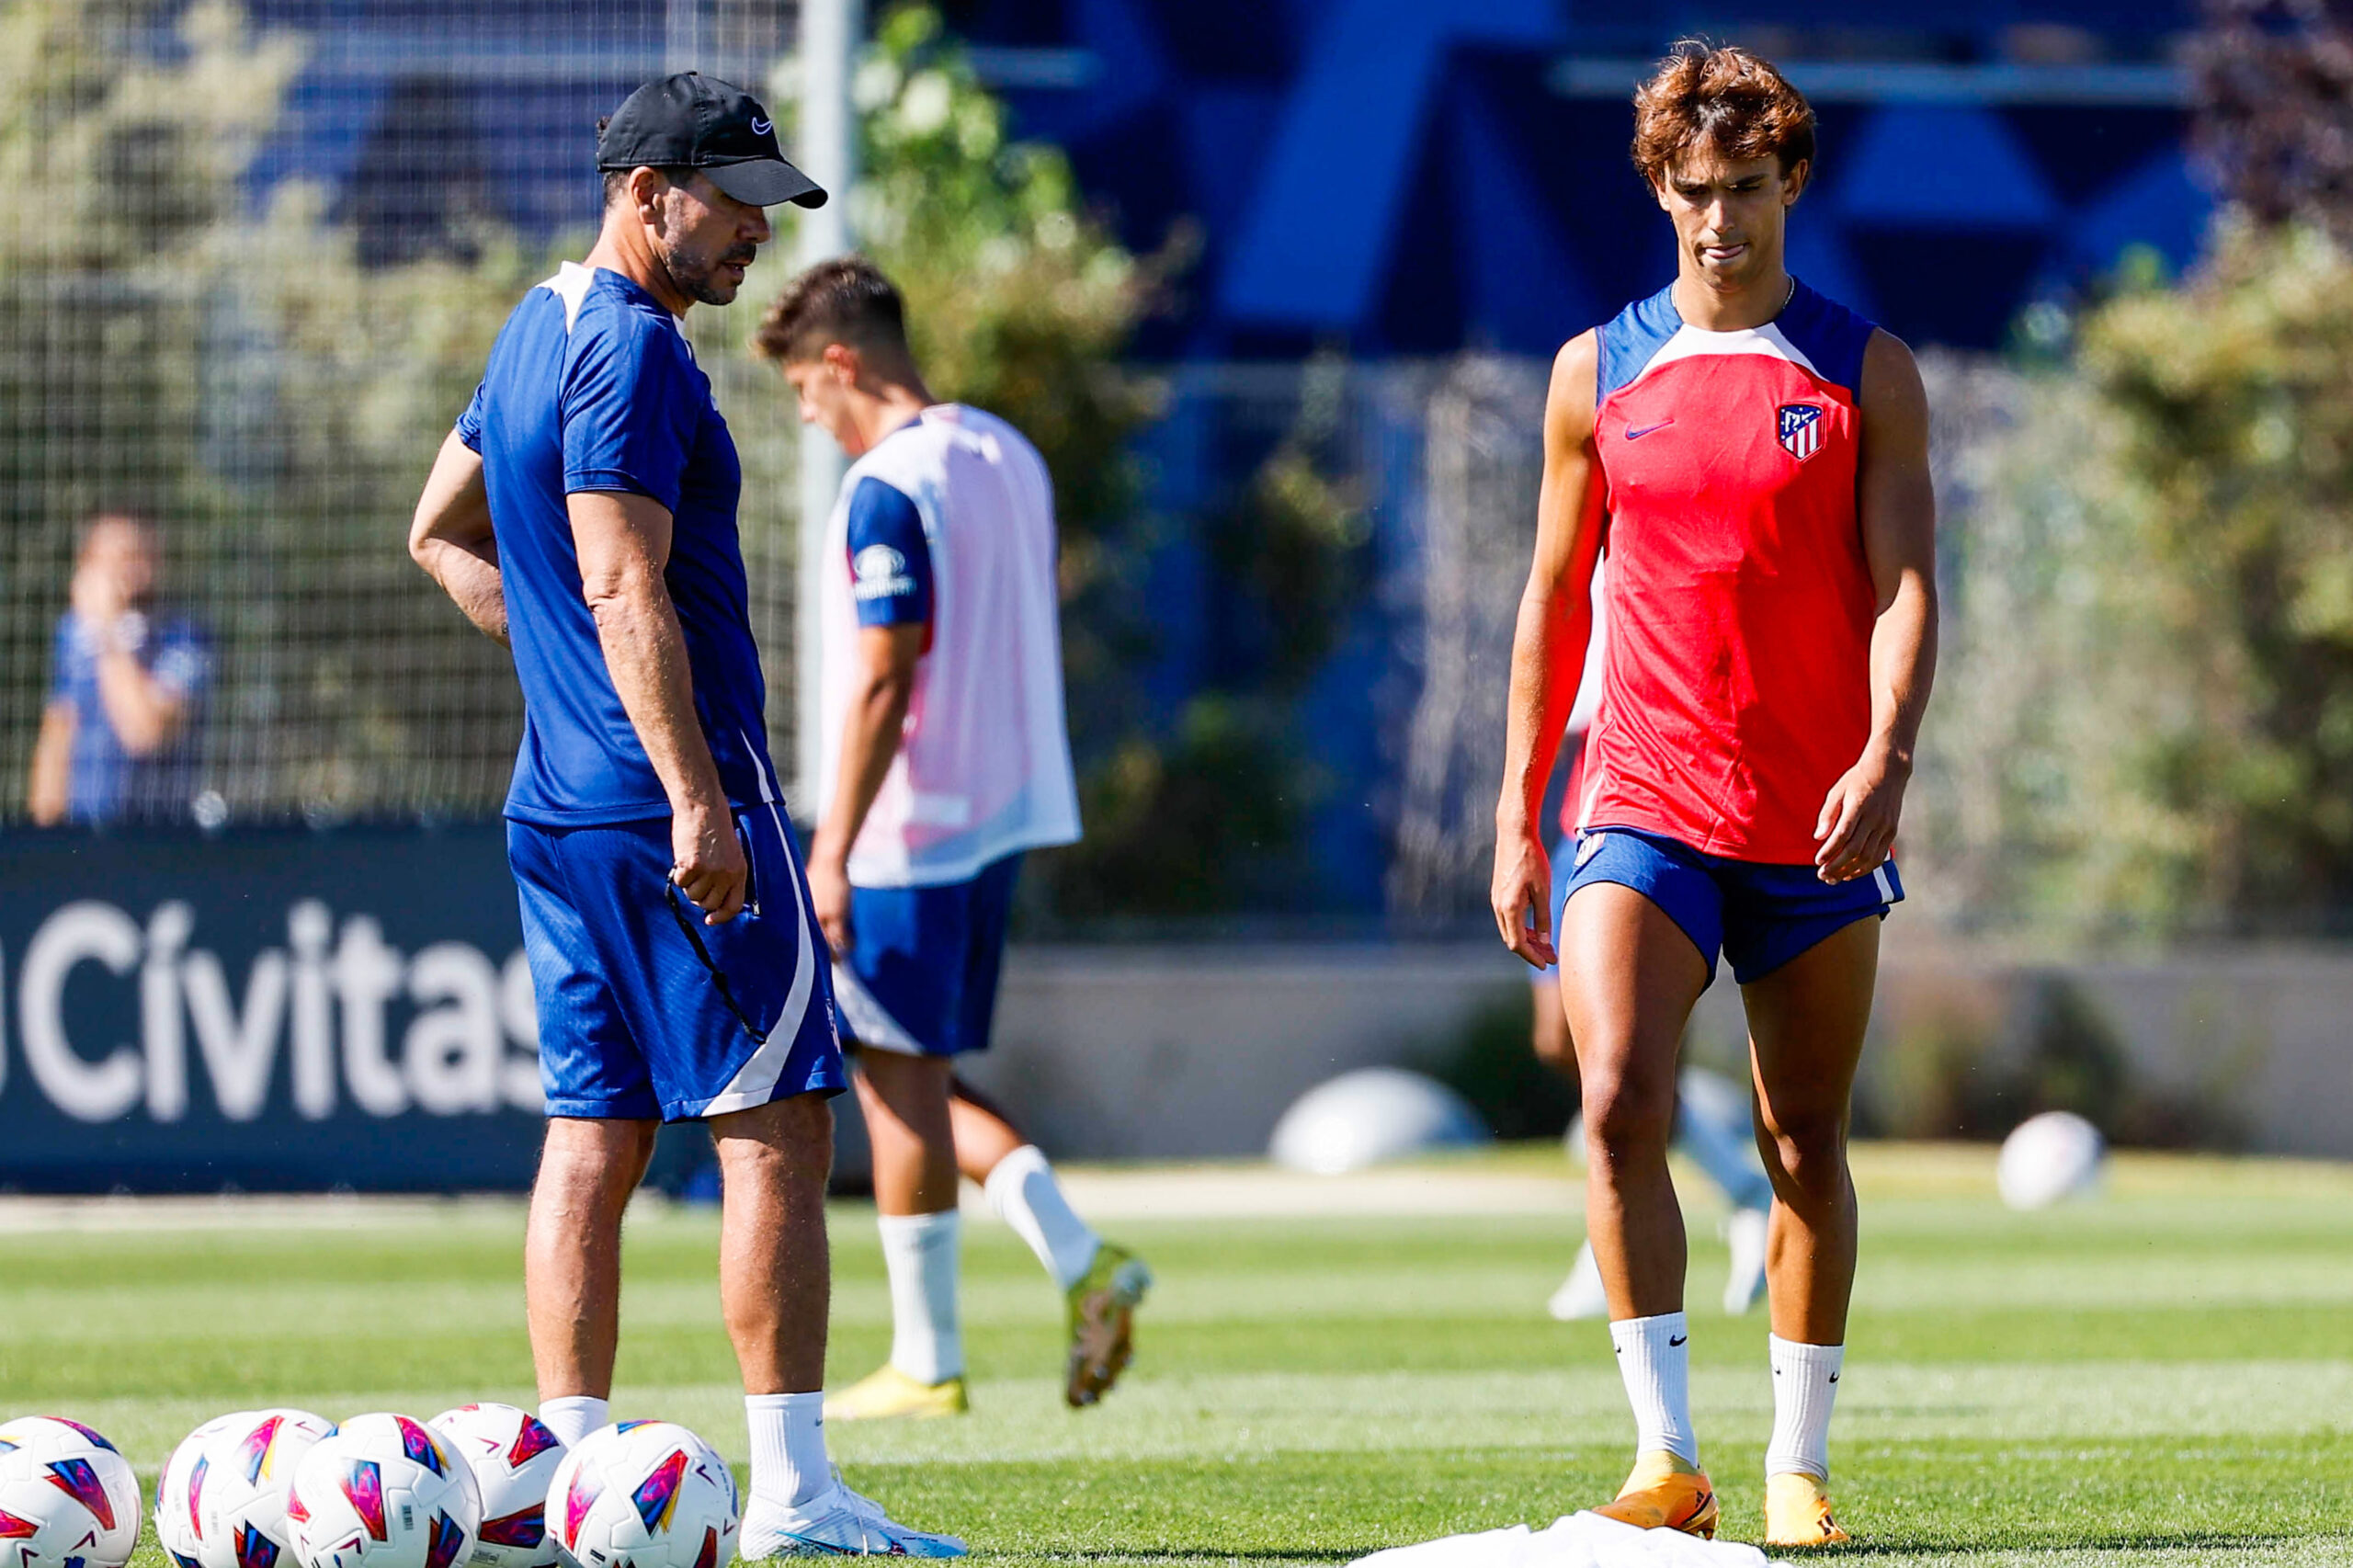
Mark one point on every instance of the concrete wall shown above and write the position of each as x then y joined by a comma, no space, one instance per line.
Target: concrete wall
1178,1051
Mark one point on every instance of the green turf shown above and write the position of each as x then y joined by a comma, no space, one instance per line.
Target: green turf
2162,1377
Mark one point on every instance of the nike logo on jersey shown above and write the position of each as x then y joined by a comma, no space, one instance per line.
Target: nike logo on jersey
1679,1339
1636,434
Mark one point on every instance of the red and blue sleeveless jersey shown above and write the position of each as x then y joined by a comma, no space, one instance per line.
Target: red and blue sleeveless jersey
1739,603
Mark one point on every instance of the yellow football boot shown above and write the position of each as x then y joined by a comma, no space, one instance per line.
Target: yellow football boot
1668,1492
888,1391
1103,1324
1797,1512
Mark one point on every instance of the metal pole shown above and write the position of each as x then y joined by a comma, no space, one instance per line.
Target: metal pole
682,45
830,30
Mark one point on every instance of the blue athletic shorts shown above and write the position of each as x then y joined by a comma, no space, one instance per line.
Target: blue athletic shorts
921,970
635,1021
1759,916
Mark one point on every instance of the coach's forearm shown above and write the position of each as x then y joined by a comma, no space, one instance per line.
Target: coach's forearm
646,653
1904,666
471,580
870,736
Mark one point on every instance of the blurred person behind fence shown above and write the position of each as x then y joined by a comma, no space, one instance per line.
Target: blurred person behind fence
117,737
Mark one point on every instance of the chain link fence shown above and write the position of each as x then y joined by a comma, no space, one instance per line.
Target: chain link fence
272,247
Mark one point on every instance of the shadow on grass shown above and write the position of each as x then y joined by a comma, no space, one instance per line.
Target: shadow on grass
1209,1554
1881,1543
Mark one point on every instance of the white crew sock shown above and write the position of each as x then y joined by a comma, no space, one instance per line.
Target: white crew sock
1023,1191
573,1416
1655,1360
789,1464
920,1251
1805,1384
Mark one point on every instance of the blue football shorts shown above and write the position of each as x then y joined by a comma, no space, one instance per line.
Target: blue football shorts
1759,916
921,970
645,1011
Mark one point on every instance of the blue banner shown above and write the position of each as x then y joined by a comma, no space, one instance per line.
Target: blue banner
266,1010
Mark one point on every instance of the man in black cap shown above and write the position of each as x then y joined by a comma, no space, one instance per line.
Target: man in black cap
584,510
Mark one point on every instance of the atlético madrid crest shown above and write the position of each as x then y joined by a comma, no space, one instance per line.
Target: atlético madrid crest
1801,429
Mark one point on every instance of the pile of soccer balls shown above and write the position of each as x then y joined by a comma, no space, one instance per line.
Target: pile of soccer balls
486,1484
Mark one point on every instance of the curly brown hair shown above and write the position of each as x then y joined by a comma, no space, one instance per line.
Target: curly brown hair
1722,101
847,300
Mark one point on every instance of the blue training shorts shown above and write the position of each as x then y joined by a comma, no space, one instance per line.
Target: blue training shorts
1760,916
921,970
635,1021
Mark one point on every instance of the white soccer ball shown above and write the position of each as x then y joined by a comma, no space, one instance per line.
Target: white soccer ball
68,1499
514,1457
385,1492
1373,1114
179,1494
2048,1158
644,1494
237,1488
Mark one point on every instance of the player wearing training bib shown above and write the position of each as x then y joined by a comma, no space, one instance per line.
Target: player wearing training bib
584,512
1751,457
946,757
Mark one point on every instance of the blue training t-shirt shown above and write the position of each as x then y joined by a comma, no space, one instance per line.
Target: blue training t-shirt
107,782
890,560
592,387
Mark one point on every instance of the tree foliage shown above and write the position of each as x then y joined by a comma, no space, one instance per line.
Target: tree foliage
2146,717
2275,122
239,375
1021,301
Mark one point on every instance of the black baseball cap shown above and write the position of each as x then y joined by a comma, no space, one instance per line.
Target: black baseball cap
697,122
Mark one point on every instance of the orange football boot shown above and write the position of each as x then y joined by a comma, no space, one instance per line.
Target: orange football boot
1665,1492
1797,1512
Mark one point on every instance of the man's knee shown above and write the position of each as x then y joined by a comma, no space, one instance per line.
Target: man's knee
593,1166
787,1139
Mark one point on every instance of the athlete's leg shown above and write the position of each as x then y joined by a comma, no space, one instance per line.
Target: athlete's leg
1101,1283
775,1286
905,1098
775,1283
983,1133
1580,1296
572,1252
1806,1026
1021,1185
1549,1035
775,1278
1629,978
1806,1021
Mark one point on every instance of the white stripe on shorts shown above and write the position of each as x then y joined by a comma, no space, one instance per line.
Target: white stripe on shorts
754,1082
870,1023
1886,888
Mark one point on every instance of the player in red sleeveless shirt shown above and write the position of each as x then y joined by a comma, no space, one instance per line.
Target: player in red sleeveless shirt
1751,457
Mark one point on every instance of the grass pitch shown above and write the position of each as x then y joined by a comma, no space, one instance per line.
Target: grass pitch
2162,1377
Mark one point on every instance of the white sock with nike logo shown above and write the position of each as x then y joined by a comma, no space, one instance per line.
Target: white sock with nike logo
1805,1384
1655,1360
